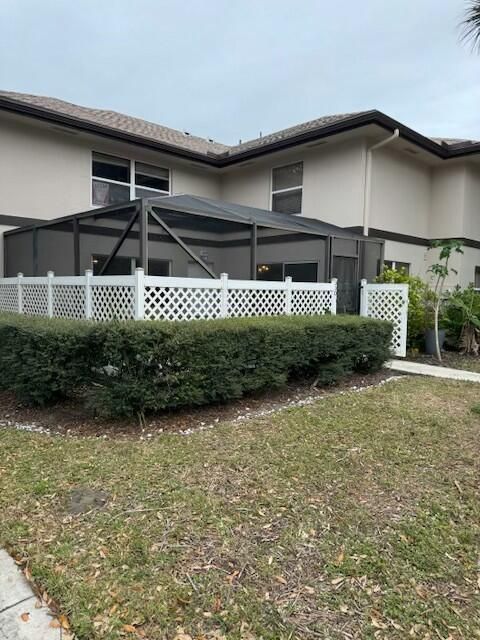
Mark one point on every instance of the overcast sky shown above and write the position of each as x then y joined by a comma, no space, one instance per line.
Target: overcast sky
228,69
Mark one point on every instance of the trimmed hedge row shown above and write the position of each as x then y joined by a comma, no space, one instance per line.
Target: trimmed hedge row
137,367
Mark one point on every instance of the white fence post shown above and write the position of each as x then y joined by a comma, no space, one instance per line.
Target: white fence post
139,293
288,295
19,292
50,275
88,293
224,295
363,298
333,306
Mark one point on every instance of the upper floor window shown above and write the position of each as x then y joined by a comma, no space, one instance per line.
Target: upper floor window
287,187
116,180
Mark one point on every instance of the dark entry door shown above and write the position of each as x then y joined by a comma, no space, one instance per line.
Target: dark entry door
345,269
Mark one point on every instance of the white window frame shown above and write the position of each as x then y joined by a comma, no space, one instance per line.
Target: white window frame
132,184
394,264
274,192
284,264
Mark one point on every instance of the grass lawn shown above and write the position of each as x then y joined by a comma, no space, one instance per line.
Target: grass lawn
355,517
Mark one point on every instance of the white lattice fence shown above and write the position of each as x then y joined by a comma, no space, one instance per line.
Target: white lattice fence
138,297
197,298
9,296
182,298
388,302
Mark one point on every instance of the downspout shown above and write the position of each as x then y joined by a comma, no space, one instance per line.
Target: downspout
368,179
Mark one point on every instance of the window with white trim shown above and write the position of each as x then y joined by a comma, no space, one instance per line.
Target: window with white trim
298,271
116,180
287,188
397,266
150,180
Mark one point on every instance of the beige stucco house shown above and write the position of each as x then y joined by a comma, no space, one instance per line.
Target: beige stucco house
364,172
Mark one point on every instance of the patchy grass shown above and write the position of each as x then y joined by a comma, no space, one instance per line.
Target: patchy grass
356,517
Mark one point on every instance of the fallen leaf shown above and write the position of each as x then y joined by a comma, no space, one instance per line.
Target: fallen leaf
377,624
338,580
280,579
55,624
25,616
64,622
340,557
181,635
421,591
129,628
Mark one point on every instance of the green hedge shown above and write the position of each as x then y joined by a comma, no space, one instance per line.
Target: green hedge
138,367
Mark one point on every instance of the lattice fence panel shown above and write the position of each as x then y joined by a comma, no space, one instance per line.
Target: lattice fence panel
68,301
9,297
181,303
253,302
311,302
113,302
392,305
35,299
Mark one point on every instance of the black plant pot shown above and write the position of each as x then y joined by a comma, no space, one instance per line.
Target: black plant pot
430,346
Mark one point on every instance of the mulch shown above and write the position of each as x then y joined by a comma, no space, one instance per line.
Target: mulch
71,418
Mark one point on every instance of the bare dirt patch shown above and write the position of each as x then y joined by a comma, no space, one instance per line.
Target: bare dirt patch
70,418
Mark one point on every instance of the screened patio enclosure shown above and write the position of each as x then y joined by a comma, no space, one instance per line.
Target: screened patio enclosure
191,236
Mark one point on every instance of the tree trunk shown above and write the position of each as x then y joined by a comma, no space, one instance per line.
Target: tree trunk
437,313
437,341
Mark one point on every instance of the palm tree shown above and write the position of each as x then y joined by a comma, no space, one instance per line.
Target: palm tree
471,25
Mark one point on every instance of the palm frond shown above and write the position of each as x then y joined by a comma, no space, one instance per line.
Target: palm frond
470,26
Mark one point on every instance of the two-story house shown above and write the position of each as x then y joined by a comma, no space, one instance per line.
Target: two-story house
363,172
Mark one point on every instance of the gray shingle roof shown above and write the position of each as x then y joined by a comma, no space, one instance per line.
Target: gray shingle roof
291,132
454,141
149,132
121,122
159,133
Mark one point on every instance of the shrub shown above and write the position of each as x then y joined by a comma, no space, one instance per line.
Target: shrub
137,367
461,319
420,304
44,360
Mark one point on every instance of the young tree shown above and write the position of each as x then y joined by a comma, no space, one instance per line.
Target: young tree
471,24
440,271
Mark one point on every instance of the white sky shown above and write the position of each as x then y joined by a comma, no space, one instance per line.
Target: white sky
228,69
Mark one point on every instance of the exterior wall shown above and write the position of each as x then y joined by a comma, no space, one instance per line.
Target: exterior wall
414,254
467,264
447,216
46,172
472,203
400,193
43,173
332,182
